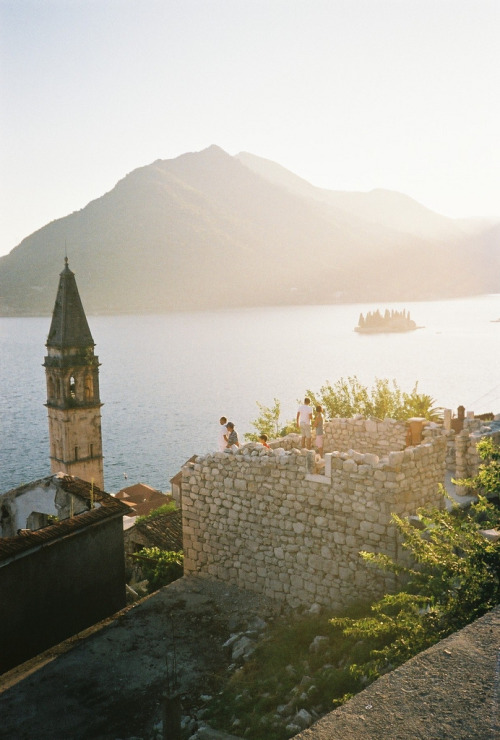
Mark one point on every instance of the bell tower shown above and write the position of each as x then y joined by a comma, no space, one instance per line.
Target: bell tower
72,374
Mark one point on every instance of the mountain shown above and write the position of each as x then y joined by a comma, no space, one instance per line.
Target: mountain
387,208
208,230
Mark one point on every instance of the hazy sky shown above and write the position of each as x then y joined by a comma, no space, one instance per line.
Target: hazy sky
349,94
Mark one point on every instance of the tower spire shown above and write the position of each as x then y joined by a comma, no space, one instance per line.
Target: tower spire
72,374
69,326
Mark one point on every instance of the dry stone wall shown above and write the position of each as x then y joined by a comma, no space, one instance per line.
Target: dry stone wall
467,458
266,520
370,435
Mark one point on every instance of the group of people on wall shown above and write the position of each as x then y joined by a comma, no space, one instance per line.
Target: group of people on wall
306,421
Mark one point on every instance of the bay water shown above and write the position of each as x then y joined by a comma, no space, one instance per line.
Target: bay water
166,379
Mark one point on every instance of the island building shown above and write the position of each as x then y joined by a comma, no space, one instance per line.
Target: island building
72,374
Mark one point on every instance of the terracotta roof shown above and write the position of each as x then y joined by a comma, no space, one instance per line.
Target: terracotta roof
108,508
137,492
69,327
142,498
164,530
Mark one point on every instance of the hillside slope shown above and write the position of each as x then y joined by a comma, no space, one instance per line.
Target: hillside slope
206,230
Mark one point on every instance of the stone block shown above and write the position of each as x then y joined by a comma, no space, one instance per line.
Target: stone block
296,581
314,562
326,552
396,459
339,537
349,466
321,521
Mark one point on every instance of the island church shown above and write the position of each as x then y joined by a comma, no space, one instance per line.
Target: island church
72,374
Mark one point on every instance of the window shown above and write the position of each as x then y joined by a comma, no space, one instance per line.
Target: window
51,388
88,389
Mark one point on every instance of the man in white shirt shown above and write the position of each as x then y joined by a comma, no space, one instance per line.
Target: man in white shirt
304,416
222,442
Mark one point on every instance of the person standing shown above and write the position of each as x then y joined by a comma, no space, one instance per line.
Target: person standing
232,436
222,441
304,416
318,426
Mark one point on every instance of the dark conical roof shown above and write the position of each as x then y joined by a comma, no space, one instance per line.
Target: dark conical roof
69,327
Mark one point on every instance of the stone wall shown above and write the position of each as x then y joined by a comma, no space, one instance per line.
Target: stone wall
467,458
265,520
369,435
357,433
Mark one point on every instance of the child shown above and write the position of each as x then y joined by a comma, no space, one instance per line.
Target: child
263,441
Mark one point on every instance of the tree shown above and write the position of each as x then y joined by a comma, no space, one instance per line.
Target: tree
269,423
347,397
344,399
385,399
420,404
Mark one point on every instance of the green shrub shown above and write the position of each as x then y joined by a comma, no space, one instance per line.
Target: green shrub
347,397
454,580
385,399
269,422
487,479
160,567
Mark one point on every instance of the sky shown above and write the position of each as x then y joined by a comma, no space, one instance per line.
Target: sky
348,94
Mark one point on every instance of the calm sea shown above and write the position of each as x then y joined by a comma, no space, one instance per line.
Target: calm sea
166,379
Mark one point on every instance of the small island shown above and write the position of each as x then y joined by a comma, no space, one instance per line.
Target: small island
374,322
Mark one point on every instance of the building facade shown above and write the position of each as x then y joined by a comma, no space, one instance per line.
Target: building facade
61,563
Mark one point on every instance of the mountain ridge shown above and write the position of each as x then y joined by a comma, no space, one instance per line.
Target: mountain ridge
207,230
364,204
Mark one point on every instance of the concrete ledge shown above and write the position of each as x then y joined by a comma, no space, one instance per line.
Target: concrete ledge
314,478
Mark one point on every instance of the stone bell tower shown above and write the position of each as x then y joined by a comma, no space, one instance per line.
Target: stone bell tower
72,374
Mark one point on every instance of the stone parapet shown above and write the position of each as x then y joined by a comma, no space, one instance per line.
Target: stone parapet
370,435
